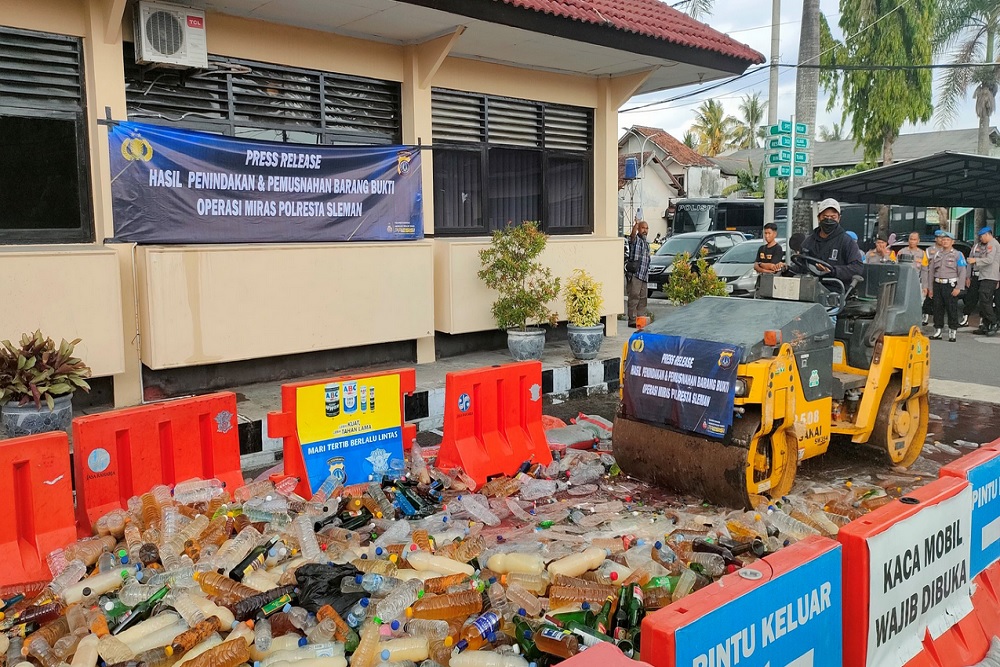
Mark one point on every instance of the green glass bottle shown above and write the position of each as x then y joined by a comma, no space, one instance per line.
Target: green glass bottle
602,621
584,616
140,612
525,639
253,561
668,582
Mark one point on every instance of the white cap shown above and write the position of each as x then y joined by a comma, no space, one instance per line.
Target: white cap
829,203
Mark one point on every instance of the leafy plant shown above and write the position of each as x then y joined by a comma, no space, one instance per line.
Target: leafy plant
689,283
524,286
38,370
583,299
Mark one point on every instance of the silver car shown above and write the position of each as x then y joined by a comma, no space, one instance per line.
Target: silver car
736,267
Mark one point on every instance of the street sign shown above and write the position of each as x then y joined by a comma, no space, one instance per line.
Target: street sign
801,142
801,157
785,127
783,141
784,171
780,157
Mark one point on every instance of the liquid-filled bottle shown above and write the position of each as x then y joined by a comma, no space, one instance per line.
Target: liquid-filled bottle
139,613
576,564
86,652
421,560
526,563
227,654
195,635
476,633
444,607
406,648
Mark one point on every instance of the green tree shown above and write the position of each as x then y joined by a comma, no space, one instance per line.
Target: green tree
966,32
696,9
690,140
713,127
835,133
687,282
879,102
746,129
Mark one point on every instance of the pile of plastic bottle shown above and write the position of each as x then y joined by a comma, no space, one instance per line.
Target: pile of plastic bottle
424,568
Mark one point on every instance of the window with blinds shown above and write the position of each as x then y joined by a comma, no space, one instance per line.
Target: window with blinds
265,101
44,165
500,160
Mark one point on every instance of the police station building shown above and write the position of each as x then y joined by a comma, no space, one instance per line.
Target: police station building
232,190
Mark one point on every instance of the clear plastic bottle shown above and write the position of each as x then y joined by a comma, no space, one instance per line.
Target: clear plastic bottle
711,565
217,584
90,550
387,508
685,584
302,528
522,598
344,633
185,606
536,489
93,587
535,583
261,487
418,465
160,656
371,583
445,607
198,491
438,585
358,613
480,511
789,526
112,650
487,659
198,650
426,628
469,548
267,509
397,533
133,592
565,596
65,646
71,574
475,634
497,596
262,634
399,600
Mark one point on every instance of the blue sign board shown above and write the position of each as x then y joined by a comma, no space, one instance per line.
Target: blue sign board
794,620
684,382
172,185
985,544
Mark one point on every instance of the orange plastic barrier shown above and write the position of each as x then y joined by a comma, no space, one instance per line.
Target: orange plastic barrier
36,487
493,420
320,417
782,610
604,654
123,453
907,564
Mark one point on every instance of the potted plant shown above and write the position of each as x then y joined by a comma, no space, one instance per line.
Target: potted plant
524,287
37,372
583,311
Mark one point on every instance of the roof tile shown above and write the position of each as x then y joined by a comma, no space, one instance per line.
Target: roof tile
674,148
651,18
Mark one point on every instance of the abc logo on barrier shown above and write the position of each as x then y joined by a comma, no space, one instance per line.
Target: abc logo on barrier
99,460
464,402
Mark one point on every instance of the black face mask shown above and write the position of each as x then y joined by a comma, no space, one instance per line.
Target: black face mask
828,225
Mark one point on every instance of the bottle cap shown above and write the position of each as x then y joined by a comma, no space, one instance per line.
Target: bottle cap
658,544
385,654
449,641
585,606
358,578
522,612
168,650
528,634
302,642
365,602
461,645
379,551
287,607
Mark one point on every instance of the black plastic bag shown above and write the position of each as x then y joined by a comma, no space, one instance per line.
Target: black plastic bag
320,585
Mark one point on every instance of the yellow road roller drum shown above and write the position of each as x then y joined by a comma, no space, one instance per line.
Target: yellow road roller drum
723,397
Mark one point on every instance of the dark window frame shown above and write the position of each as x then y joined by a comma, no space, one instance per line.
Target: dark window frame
314,89
10,108
546,156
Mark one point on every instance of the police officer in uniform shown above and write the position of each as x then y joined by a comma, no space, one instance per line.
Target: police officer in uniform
946,276
986,259
928,306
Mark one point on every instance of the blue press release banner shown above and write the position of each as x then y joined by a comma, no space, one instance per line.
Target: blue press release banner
170,185
794,620
984,547
684,382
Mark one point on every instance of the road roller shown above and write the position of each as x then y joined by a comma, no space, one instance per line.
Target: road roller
723,397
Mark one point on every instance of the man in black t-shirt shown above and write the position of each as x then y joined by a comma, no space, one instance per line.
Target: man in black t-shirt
771,256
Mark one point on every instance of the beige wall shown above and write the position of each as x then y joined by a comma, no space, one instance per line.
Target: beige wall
211,304
462,302
67,292
207,304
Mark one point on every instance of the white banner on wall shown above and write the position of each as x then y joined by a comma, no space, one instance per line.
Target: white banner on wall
920,579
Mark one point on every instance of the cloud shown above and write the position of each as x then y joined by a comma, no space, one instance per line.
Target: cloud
754,28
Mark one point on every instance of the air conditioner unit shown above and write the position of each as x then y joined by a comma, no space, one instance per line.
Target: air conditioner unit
170,35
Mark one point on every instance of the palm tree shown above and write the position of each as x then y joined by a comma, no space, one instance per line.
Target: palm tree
747,127
966,32
806,94
713,128
696,9
690,140
835,133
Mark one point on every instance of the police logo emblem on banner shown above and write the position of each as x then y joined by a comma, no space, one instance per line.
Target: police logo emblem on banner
137,148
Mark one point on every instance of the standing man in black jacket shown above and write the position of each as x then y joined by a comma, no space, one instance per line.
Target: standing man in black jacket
830,243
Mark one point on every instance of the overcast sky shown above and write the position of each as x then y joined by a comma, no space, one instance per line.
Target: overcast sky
753,27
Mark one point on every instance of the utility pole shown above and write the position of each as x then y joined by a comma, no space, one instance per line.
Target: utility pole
772,103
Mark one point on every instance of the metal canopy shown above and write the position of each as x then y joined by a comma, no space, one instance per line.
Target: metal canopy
944,179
